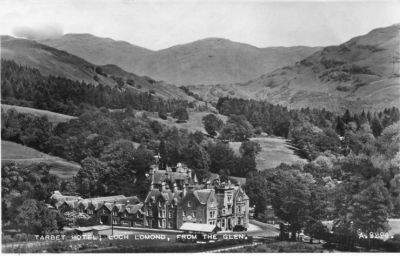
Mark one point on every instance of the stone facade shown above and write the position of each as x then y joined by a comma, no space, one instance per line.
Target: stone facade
174,198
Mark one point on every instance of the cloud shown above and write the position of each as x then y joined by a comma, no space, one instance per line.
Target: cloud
38,33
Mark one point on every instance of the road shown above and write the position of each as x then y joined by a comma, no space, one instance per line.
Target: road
256,229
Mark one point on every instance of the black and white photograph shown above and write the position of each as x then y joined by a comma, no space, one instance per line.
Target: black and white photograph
200,126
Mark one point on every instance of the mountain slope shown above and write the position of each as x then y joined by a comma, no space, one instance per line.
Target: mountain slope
362,73
51,61
207,61
99,51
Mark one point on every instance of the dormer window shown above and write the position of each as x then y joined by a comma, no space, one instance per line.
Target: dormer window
115,213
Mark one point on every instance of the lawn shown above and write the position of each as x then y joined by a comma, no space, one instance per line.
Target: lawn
274,151
195,122
53,117
13,152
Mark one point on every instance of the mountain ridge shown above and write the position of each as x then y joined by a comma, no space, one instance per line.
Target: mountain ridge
205,61
358,74
52,61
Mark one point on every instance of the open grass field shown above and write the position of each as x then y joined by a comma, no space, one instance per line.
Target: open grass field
53,117
194,123
274,151
22,155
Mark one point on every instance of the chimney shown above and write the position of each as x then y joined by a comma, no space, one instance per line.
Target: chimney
163,186
185,188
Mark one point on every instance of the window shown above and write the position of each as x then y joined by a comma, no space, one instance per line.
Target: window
169,214
223,211
163,213
190,204
90,211
159,223
229,198
163,223
145,223
184,213
239,209
115,221
115,213
212,214
194,214
223,223
170,224
159,204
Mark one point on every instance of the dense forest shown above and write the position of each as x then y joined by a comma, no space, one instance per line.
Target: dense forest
25,86
312,131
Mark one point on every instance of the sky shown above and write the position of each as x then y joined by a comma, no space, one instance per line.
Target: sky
160,24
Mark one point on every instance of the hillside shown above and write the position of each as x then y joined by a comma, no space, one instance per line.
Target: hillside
22,155
359,74
207,61
51,61
53,117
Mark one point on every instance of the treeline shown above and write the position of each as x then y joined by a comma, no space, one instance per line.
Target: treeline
311,130
357,192
25,192
25,86
131,139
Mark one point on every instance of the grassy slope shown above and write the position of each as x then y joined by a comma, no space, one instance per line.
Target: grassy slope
193,124
53,117
13,152
274,151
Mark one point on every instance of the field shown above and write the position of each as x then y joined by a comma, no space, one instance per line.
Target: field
13,152
274,151
53,117
193,124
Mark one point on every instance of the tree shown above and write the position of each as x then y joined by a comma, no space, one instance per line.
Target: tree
376,126
221,157
249,148
291,197
237,128
36,218
181,114
212,124
257,189
316,230
371,208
